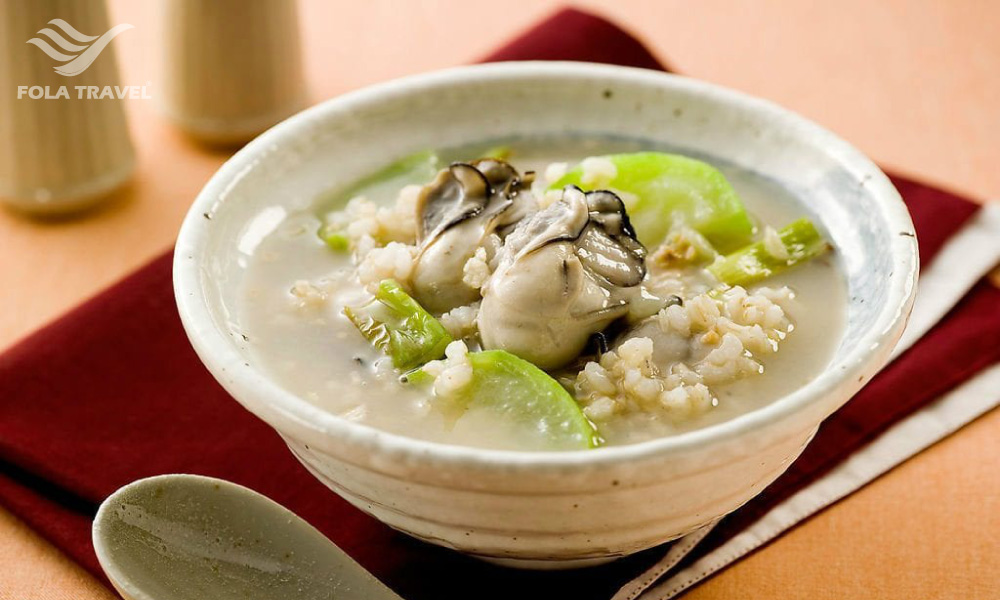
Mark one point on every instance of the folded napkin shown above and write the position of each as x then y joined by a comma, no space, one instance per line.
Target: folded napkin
112,392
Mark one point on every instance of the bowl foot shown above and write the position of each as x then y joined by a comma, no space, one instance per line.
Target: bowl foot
544,564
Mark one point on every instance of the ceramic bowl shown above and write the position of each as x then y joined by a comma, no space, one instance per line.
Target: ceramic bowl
545,510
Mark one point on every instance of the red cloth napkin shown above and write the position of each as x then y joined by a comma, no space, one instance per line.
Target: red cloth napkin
112,392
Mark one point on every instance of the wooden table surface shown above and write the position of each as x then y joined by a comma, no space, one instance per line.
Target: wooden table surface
915,84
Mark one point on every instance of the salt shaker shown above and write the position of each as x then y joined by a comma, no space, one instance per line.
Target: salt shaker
231,67
64,144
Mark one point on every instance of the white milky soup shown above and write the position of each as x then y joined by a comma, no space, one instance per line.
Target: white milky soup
546,295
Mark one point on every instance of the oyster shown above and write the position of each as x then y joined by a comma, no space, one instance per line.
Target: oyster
563,274
669,346
466,207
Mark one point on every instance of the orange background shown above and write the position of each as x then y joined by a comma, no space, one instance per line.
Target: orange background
915,84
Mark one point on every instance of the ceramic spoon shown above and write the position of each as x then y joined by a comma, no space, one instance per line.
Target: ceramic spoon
180,537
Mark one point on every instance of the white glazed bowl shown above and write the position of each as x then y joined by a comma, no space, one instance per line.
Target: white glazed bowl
545,510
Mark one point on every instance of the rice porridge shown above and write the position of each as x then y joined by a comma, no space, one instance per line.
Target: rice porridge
546,295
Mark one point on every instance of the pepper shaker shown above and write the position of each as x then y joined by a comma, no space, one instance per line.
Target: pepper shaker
232,68
60,149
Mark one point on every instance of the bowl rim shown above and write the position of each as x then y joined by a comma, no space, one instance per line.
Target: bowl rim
275,405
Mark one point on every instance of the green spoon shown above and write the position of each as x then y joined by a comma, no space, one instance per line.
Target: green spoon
180,537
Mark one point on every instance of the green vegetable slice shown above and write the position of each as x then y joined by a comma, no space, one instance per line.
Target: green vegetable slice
801,242
336,240
523,395
398,326
420,167
498,152
671,190
415,168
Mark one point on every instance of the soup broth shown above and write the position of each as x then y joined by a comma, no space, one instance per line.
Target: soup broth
297,288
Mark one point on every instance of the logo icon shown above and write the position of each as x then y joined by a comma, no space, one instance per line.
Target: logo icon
80,55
